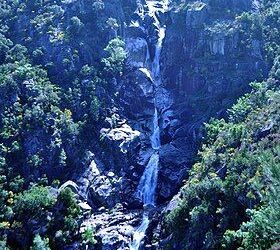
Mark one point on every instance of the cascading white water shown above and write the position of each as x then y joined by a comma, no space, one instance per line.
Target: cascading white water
148,182
147,185
155,137
156,64
140,233
155,7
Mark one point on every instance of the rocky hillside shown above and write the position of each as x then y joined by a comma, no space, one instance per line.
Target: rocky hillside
103,105
207,61
231,198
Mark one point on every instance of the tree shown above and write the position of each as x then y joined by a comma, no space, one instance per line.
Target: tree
66,220
75,26
88,236
33,202
116,56
40,244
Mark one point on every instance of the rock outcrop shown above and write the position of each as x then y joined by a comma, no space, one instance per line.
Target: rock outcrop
204,69
114,227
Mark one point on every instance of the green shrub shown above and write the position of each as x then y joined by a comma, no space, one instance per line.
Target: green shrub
115,61
33,202
40,244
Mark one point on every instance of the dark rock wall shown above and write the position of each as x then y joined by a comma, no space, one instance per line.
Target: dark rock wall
205,68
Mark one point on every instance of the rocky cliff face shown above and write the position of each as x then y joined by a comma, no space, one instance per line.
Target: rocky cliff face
206,64
208,54
205,68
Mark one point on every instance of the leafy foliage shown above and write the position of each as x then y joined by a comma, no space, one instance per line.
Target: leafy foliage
88,236
33,202
231,199
66,219
40,244
52,84
236,180
115,61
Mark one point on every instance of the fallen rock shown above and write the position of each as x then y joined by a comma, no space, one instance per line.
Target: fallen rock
114,228
124,135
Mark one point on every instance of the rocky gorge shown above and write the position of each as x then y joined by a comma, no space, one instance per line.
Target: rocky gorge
121,128
189,85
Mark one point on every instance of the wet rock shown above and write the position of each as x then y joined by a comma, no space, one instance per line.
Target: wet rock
86,209
176,152
164,99
136,97
175,157
145,82
114,229
256,49
125,134
69,184
135,30
103,192
144,156
89,175
119,132
84,206
217,44
111,174
98,187
137,49
172,204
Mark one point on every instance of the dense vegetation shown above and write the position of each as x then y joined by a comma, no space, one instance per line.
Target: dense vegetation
57,82
236,180
49,109
231,198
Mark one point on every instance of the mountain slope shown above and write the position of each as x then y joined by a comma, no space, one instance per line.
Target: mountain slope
231,198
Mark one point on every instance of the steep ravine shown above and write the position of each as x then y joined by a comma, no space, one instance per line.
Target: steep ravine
104,107
146,189
175,81
124,231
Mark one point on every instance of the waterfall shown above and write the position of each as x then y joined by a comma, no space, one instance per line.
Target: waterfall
155,137
140,233
147,186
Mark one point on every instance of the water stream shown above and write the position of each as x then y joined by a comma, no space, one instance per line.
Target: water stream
147,186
